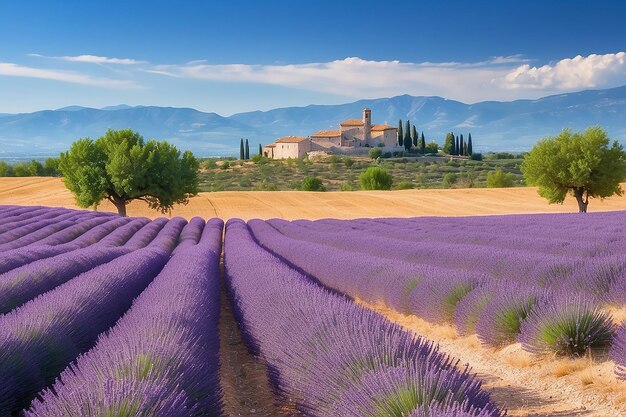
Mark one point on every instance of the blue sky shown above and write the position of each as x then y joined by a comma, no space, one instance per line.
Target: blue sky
235,56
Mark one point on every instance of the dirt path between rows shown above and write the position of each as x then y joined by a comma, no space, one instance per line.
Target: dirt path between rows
527,385
244,379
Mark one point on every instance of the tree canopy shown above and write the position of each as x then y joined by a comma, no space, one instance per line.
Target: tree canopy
121,167
580,163
375,178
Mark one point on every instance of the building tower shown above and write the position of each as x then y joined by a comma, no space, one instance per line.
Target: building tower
367,125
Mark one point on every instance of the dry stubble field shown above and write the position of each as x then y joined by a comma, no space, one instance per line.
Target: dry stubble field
290,205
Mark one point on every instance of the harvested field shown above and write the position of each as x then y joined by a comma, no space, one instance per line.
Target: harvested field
291,205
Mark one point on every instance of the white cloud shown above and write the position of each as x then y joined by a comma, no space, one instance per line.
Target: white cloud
499,78
570,74
93,59
14,70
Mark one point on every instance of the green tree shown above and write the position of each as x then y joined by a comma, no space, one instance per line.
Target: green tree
28,169
432,147
121,167
312,184
448,146
6,170
375,153
407,136
469,145
499,179
422,144
580,163
457,147
242,152
400,134
260,149
414,136
51,167
375,178
247,150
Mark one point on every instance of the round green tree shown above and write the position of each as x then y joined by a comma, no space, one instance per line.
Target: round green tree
375,178
580,163
121,167
312,184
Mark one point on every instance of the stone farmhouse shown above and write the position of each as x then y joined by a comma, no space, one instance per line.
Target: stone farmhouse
351,135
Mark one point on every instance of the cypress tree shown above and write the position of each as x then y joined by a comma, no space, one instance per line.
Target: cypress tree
422,144
400,134
448,145
247,150
456,146
469,145
414,136
260,149
407,136
242,154
462,146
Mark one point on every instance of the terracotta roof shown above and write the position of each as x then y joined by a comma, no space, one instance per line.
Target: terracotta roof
382,127
271,145
291,139
352,122
329,133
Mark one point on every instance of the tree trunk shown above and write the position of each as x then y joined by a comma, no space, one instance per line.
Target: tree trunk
120,205
582,198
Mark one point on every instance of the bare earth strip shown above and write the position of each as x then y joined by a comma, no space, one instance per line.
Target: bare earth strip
292,205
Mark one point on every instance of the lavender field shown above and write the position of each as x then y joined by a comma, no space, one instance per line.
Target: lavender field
109,316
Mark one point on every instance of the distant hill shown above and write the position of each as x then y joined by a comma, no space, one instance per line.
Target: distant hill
513,126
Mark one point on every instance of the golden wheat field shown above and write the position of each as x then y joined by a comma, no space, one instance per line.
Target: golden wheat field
292,205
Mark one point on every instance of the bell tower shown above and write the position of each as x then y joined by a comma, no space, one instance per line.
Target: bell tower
367,124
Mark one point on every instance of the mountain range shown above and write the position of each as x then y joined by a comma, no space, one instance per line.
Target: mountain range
513,126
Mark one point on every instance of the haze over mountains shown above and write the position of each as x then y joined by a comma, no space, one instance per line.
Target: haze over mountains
511,126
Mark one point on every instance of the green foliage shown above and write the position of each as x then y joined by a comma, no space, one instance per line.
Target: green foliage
6,170
469,145
375,153
348,161
407,136
448,146
375,178
580,163
312,184
432,147
28,169
500,179
210,163
335,159
449,179
247,151
476,156
414,136
347,186
400,134
259,159
404,185
51,167
225,165
121,167
422,146
242,153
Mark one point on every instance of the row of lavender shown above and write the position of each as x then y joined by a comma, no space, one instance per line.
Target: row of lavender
547,302
330,357
69,276
71,321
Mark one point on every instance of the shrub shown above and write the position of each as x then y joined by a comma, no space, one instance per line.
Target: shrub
348,162
6,170
404,185
449,179
347,186
381,145
375,153
225,165
312,184
432,147
386,155
566,326
477,156
500,179
260,159
375,178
